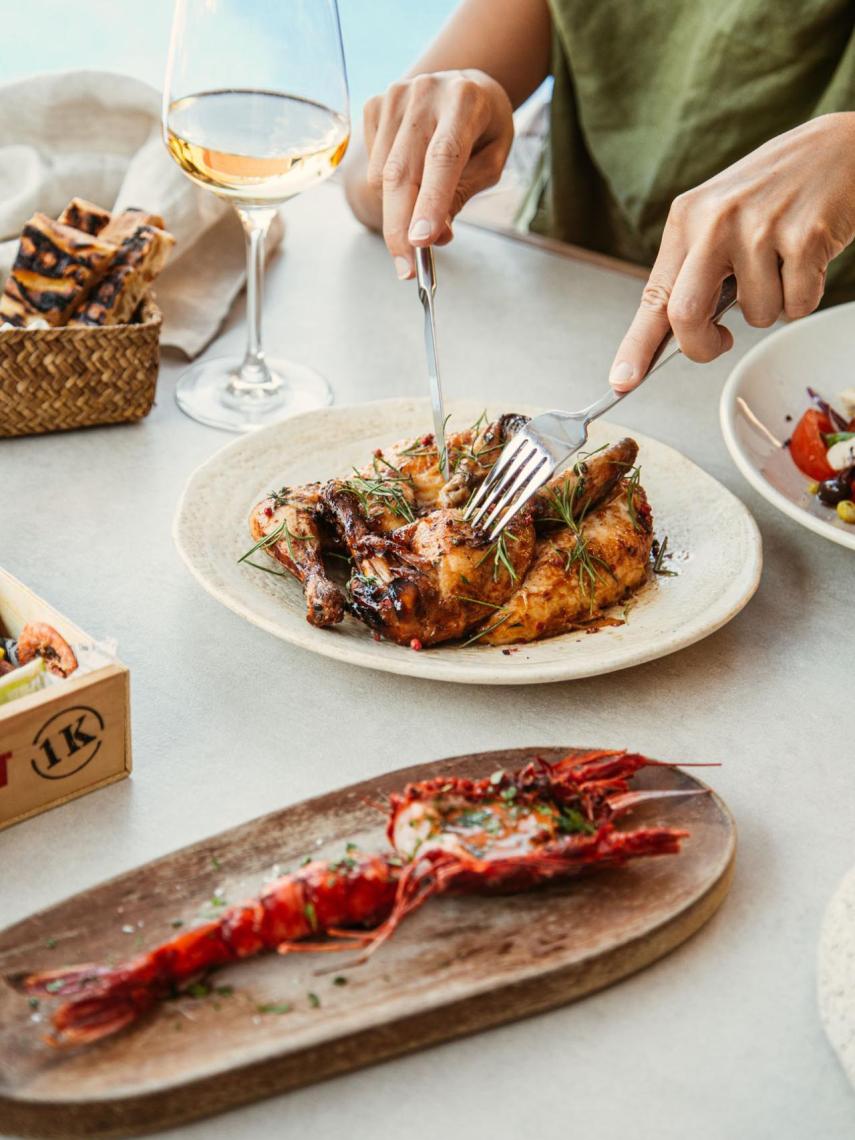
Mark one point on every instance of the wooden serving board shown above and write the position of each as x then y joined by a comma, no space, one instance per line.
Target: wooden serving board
459,965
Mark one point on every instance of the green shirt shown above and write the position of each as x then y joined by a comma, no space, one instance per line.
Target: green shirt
653,97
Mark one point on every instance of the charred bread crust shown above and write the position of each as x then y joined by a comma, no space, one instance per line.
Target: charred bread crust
85,216
124,225
139,260
55,268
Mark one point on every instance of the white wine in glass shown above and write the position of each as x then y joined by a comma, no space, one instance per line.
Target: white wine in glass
256,110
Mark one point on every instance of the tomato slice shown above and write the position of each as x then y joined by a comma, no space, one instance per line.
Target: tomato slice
807,446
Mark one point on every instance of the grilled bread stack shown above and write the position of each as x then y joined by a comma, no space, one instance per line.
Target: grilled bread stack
89,267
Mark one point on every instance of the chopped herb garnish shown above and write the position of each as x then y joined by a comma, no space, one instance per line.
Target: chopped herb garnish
198,990
314,1000
224,991
572,822
351,847
215,863
275,1007
311,915
476,817
54,987
51,944
305,861
33,1003
339,980
176,922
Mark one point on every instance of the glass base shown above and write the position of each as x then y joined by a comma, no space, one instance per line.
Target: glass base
212,393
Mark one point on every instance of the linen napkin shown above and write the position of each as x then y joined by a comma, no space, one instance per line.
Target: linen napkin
95,135
836,973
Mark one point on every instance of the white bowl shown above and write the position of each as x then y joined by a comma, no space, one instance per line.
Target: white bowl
764,398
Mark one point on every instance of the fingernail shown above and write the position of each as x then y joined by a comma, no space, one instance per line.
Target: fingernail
419,230
402,268
621,374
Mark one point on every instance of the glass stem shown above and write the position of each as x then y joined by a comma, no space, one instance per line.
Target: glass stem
254,377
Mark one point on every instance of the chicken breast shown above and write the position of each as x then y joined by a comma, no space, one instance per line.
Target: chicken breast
577,573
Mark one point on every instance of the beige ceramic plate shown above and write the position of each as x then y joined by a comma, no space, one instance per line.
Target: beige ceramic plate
716,545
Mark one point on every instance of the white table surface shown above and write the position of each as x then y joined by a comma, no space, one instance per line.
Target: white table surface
720,1039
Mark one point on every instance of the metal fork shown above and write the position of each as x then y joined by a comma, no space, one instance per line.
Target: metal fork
547,442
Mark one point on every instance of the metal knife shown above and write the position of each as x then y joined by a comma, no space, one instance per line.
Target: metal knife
426,275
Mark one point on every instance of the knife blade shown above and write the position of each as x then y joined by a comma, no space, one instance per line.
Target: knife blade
426,276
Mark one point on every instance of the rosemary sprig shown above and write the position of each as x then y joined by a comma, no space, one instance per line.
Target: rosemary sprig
631,488
275,535
484,632
382,459
267,569
659,549
417,448
387,492
499,551
476,601
586,565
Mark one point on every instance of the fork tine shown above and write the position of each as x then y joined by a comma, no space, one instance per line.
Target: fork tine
529,470
537,480
518,461
508,451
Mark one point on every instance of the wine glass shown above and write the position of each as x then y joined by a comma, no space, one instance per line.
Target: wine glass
255,109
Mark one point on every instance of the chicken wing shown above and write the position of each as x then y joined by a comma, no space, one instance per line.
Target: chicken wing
577,572
284,525
590,481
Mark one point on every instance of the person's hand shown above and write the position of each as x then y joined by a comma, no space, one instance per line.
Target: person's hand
775,219
432,142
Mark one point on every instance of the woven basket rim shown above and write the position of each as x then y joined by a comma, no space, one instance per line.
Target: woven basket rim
149,316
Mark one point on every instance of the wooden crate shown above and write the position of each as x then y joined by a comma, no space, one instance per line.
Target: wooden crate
68,739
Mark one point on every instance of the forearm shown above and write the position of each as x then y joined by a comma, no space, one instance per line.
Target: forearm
509,40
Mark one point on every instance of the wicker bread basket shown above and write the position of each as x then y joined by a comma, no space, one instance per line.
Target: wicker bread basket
62,378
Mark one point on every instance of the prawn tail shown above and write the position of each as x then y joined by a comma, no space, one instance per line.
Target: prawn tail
100,1000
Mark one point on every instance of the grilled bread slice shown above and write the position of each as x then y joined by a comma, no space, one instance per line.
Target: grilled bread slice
140,258
55,268
83,215
124,225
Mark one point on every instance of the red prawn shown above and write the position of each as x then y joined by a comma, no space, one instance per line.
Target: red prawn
507,832
321,898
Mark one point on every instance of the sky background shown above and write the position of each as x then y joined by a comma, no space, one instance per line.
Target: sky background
381,38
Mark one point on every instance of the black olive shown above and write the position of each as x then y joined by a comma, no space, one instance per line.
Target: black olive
834,490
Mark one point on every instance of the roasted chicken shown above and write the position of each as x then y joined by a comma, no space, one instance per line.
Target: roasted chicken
421,575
